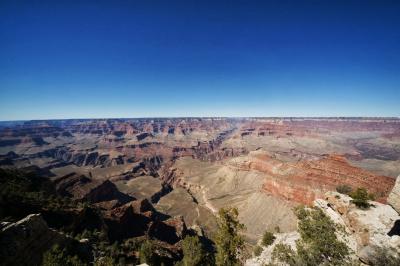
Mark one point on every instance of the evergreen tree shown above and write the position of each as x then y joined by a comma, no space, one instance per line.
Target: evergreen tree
318,244
268,239
229,242
146,253
361,197
193,252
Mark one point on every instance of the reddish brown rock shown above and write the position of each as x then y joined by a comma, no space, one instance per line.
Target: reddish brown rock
81,187
304,181
171,231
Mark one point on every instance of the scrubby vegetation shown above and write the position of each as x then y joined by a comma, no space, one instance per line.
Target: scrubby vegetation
386,257
257,250
318,244
25,192
60,256
284,253
22,193
195,253
268,239
361,197
229,242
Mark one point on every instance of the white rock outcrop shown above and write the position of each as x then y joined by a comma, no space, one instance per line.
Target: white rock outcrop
394,196
364,230
266,255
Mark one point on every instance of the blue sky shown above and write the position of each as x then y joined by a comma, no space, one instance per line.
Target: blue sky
88,59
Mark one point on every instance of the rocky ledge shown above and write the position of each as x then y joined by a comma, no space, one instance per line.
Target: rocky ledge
24,242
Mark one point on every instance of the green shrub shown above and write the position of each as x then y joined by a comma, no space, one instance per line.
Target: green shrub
344,189
193,252
318,243
268,239
361,197
284,253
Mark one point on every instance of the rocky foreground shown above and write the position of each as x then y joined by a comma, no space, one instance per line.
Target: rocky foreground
365,231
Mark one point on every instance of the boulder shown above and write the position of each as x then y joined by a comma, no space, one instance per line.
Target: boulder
170,231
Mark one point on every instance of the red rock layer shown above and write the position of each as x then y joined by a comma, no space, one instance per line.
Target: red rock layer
304,181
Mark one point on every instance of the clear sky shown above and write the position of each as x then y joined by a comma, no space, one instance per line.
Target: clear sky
86,59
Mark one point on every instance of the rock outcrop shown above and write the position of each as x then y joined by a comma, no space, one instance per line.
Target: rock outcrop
81,187
170,231
130,220
139,218
24,242
365,230
368,229
266,255
306,180
394,196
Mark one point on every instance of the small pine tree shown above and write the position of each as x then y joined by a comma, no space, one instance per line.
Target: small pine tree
361,197
284,253
193,252
229,243
318,244
268,239
146,253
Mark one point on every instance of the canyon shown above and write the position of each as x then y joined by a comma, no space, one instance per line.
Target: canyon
160,177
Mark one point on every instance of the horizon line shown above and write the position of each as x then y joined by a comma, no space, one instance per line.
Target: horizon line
208,117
